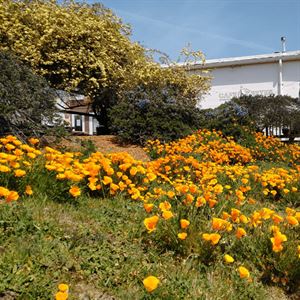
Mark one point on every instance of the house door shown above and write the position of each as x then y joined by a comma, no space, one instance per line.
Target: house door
78,123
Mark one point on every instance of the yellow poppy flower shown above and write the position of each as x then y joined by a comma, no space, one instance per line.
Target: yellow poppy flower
277,241
171,194
19,173
244,273
184,223
12,196
61,296
151,176
63,287
277,219
182,235
151,283
166,214
228,259
33,141
4,192
151,223
240,232
164,205
292,220
133,171
75,191
107,180
213,238
148,207
28,190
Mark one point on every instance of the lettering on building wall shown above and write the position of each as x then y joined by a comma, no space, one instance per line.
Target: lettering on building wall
243,92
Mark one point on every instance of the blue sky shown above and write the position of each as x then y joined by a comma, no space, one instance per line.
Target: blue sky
219,28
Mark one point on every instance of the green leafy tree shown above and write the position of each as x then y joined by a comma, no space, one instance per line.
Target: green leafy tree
245,114
276,111
87,49
27,104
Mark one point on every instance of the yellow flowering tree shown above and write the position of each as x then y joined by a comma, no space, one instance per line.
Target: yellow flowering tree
87,49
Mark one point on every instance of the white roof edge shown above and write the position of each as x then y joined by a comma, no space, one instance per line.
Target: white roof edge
245,60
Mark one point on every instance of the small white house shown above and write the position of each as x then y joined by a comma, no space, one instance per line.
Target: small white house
275,73
76,113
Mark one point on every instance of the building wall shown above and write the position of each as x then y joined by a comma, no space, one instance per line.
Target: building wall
263,79
291,78
87,124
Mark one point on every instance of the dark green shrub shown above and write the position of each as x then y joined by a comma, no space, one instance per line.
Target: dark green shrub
233,120
27,104
147,113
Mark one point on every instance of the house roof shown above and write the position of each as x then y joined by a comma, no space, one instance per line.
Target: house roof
246,60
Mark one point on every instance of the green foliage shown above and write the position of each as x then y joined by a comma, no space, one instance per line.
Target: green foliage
27,104
96,248
233,120
240,117
100,246
277,111
87,147
150,113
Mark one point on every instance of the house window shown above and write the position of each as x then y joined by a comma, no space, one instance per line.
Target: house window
78,123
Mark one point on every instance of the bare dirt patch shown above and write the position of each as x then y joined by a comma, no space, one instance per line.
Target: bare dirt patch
107,144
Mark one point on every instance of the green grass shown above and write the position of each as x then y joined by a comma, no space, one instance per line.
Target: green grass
100,248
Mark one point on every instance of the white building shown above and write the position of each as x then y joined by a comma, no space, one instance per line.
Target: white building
275,73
